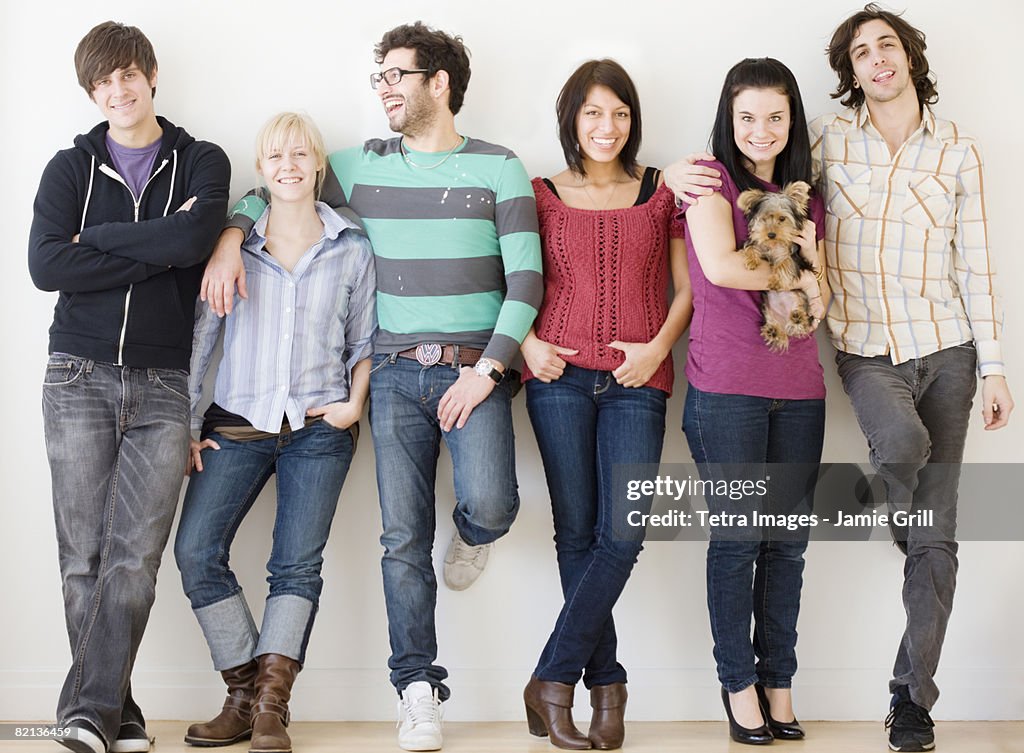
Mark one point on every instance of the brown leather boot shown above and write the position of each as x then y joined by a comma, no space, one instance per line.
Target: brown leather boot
549,712
270,704
233,722
607,725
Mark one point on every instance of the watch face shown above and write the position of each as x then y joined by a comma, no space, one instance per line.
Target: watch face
483,367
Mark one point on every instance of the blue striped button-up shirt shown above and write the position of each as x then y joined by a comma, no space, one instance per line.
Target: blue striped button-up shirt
293,343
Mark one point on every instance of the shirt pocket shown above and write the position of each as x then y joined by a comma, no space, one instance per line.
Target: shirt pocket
849,190
928,203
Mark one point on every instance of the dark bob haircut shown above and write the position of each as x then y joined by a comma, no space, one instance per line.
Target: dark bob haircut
912,39
109,46
435,51
794,162
574,92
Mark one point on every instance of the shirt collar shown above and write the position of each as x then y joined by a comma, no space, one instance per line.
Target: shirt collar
861,118
334,225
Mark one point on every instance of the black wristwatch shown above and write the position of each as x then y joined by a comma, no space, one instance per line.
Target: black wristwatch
485,367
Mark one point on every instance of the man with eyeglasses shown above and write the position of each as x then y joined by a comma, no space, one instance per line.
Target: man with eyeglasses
454,228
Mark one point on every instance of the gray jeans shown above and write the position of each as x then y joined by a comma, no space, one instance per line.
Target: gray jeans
915,418
116,439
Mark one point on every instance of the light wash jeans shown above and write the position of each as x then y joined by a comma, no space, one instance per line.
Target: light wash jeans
117,440
407,439
310,465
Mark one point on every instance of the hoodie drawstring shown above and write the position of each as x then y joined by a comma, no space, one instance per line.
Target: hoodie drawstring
174,169
88,193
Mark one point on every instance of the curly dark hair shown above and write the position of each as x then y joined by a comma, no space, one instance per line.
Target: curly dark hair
435,51
912,39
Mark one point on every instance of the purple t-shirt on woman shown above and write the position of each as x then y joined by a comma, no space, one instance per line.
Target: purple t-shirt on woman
727,354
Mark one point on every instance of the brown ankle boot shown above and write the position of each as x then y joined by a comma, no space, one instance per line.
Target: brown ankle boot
607,725
270,704
233,722
549,712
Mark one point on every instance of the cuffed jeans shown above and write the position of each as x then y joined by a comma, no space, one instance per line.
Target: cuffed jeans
116,440
756,575
310,465
915,418
586,424
407,437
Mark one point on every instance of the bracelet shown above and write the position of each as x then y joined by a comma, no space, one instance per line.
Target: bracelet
819,274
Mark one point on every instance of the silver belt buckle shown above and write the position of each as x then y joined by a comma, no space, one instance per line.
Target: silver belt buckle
428,353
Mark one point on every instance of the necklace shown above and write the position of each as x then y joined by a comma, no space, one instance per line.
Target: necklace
607,201
410,163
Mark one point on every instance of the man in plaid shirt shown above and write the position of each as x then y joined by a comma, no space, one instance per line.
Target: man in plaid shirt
915,315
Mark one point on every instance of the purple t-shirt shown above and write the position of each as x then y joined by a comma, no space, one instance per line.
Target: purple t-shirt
134,165
727,354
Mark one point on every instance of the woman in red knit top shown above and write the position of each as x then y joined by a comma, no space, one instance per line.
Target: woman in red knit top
598,373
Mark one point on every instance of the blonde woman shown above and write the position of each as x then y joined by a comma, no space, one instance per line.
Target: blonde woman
289,391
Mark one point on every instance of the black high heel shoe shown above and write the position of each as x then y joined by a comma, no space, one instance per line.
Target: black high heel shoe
757,736
780,730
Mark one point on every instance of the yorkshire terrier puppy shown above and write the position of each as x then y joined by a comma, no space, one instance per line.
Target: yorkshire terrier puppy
775,221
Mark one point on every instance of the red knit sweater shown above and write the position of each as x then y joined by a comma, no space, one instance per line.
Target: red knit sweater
605,278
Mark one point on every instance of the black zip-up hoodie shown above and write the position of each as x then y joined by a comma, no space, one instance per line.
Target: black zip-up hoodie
128,287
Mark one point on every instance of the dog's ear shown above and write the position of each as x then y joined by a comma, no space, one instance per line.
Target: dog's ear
799,192
749,199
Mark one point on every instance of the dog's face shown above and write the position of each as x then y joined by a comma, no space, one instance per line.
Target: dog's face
776,217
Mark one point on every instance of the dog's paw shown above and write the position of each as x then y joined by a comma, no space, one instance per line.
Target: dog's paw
775,338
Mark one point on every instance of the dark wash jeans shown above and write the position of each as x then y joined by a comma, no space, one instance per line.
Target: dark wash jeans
914,417
755,577
407,439
116,440
310,466
586,424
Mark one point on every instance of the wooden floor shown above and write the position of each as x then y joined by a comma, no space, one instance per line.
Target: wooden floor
641,737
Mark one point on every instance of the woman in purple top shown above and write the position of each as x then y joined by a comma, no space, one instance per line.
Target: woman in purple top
748,406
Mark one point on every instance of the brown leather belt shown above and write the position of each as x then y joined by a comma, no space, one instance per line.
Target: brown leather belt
429,354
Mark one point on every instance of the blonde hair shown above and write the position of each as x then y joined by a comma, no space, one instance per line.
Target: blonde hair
287,127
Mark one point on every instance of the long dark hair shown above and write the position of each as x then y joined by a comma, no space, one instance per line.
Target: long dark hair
794,162
574,92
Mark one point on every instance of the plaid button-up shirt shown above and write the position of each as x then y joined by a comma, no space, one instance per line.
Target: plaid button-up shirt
906,240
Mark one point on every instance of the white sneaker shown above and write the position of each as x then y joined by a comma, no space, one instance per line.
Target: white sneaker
419,718
463,563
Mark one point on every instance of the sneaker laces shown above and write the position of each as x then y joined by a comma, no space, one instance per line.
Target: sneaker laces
467,553
422,710
908,714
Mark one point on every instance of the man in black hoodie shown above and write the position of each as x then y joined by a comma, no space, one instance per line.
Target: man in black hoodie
123,223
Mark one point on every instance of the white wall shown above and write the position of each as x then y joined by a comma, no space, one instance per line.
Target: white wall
224,68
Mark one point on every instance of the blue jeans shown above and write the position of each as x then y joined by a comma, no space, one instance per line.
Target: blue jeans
915,419
756,576
407,438
586,424
311,465
116,440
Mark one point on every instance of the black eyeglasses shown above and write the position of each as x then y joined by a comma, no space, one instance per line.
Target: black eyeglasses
392,76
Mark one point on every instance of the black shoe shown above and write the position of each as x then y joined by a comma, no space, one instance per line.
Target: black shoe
757,736
899,535
82,737
780,730
909,725
131,738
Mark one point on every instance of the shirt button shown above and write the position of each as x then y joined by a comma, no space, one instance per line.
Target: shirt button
288,311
